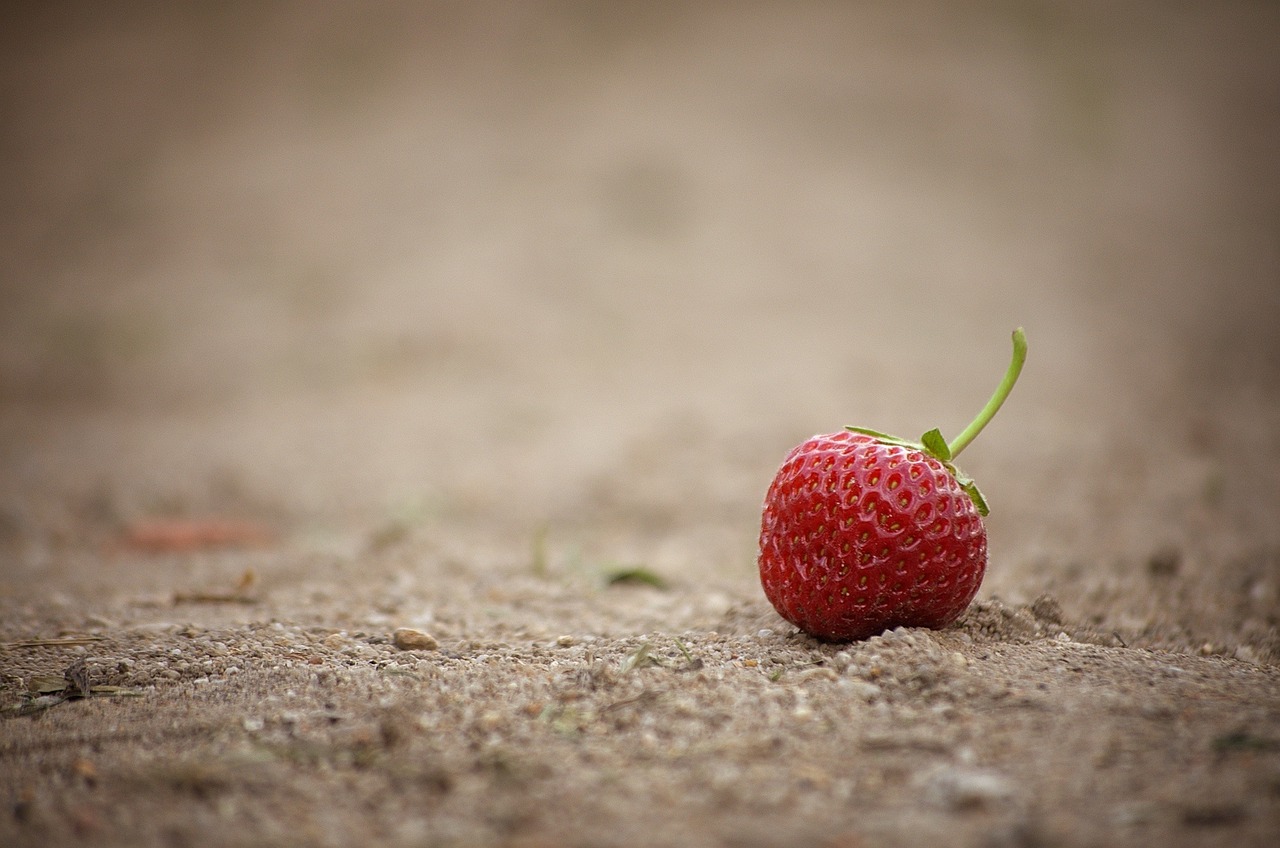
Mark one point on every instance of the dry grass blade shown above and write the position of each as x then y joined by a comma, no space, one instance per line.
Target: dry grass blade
59,642
35,705
45,691
241,593
638,658
47,684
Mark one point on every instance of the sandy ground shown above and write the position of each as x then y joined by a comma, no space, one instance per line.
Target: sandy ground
450,313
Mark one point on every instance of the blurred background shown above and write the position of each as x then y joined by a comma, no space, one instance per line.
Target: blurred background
589,270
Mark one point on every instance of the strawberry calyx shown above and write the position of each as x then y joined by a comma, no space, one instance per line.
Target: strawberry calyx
933,444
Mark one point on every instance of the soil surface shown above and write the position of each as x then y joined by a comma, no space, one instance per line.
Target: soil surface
388,393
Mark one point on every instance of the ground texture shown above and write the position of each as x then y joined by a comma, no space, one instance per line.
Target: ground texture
388,393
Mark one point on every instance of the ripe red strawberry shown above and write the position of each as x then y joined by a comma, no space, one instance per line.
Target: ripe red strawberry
863,531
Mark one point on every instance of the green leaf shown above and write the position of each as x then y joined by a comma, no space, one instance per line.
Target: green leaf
975,494
971,489
875,434
885,438
935,445
635,575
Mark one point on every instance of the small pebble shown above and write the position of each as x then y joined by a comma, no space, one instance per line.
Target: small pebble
864,690
410,639
963,788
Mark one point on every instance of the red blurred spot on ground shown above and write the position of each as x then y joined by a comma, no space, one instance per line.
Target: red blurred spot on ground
179,535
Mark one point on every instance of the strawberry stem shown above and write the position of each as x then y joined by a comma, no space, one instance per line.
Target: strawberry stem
997,400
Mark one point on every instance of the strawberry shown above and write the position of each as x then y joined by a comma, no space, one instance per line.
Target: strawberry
863,531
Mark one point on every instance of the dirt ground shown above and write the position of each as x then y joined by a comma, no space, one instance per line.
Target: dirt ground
445,316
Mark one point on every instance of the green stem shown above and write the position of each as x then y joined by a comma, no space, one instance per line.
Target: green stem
997,400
